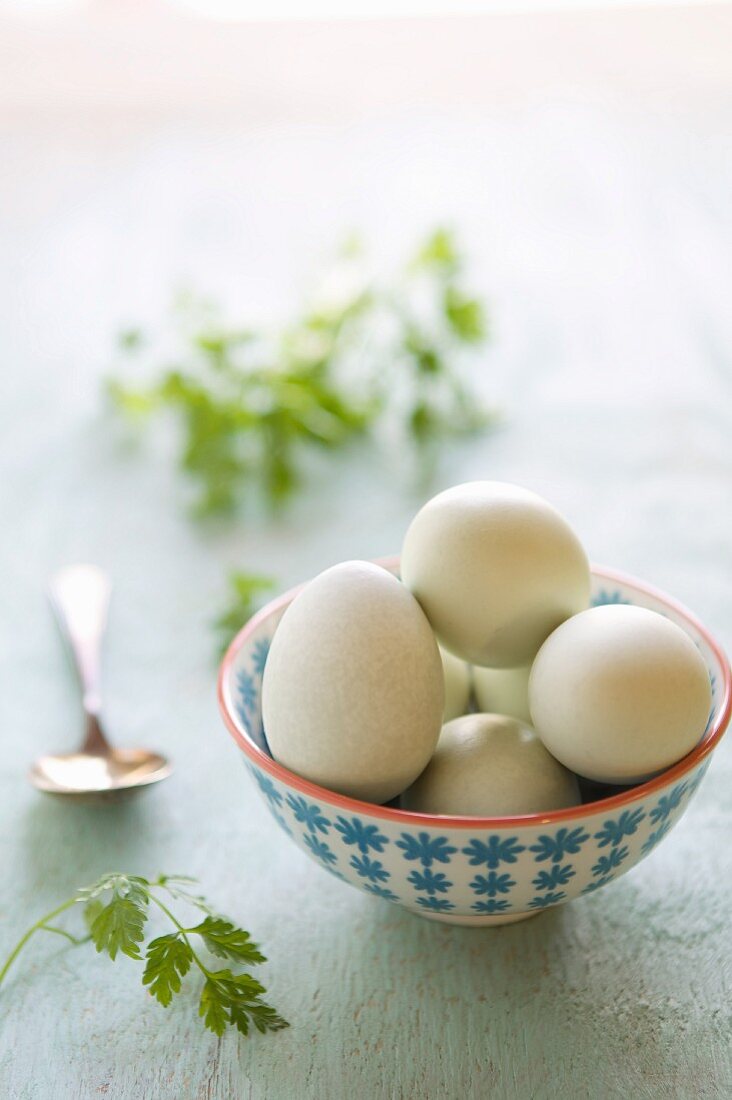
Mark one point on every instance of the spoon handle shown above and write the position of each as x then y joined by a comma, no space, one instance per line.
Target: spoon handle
79,595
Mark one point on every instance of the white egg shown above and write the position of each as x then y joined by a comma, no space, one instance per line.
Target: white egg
457,685
503,691
496,569
352,694
619,692
489,765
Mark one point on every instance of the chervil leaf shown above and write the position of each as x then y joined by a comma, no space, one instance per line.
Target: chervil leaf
439,251
174,885
227,998
132,886
263,1016
239,1017
464,315
214,1008
163,880
169,959
234,998
92,909
245,589
266,1018
250,405
426,356
130,339
227,941
119,926
133,403
236,987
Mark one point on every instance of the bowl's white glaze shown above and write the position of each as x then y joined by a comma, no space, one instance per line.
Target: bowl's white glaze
473,871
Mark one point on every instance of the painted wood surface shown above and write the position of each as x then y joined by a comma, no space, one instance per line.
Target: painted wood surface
600,227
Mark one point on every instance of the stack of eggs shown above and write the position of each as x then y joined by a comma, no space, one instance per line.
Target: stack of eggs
369,679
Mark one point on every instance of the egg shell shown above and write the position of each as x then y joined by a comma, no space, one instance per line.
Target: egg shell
496,569
352,693
503,691
618,693
490,765
457,685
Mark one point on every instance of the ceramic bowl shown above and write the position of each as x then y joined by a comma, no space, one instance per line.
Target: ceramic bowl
471,870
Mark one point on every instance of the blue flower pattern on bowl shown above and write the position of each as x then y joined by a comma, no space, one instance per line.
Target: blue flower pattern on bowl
557,876
607,864
430,882
451,873
308,814
365,837
668,803
319,849
248,694
371,869
606,596
614,831
556,847
260,652
493,851
436,905
427,850
381,892
543,901
492,884
656,837
492,906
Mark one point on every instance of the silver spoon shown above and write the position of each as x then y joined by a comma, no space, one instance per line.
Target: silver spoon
80,595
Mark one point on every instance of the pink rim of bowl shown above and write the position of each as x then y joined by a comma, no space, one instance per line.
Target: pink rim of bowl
407,817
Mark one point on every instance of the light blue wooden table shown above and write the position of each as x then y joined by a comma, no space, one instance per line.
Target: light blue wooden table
594,196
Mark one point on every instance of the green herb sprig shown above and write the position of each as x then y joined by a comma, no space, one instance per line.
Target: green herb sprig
251,404
116,911
244,592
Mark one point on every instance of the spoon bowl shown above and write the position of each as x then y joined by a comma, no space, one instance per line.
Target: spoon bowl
84,774
80,597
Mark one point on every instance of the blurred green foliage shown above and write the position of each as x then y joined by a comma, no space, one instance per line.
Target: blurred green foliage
244,592
366,354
